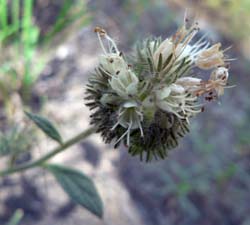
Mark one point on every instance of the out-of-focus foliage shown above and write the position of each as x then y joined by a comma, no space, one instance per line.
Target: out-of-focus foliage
72,13
16,218
77,185
18,41
15,141
24,46
236,15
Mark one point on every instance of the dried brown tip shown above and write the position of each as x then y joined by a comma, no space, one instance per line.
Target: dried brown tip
100,30
190,18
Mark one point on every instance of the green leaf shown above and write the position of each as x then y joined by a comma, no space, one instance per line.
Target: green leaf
16,218
79,188
46,126
15,9
159,63
150,63
168,60
4,14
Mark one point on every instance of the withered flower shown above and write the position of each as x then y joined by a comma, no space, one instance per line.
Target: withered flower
211,58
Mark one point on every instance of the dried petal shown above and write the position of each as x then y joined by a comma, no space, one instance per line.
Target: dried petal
210,58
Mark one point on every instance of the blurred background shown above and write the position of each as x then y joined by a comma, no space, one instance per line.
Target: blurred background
48,50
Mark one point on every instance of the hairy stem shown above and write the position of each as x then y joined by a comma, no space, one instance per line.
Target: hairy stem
51,154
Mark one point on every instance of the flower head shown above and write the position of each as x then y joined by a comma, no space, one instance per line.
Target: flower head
147,102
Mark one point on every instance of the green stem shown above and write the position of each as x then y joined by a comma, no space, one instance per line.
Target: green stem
51,154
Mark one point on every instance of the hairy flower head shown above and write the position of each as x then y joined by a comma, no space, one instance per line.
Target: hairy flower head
147,101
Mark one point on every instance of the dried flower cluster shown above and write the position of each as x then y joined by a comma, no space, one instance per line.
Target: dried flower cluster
147,102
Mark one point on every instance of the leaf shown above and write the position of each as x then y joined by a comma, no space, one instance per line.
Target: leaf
150,63
168,60
46,126
15,10
159,63
4,15
16,218
79,188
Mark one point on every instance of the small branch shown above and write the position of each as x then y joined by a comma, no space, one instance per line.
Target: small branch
51,154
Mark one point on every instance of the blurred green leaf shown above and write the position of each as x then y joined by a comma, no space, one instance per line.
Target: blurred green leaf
227,173
27,14
79,187
16,218
184,188
3,19
16,141
3,14
46,126
68,15
30,36
15,13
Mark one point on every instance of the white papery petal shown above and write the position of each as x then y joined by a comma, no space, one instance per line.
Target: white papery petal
130,104
163,93
112,63
125,83
165,48
188,81
177,88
